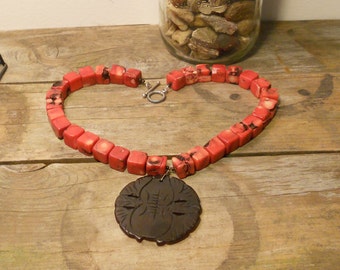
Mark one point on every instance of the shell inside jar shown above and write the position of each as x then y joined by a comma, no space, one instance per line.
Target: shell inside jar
209,29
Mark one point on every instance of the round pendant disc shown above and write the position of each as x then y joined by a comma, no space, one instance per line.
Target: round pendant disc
164,211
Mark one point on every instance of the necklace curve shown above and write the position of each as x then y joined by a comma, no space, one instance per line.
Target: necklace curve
182,215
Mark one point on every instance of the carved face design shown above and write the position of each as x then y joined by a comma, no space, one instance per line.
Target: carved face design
162,211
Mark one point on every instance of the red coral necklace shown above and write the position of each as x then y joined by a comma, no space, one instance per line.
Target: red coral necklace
158,207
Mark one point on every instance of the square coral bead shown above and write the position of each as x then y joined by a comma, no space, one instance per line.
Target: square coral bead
230,139
117,74
59,90
55,113
243,132
102,74
59,125
118,158
136,162
88,75
233,74
246,77
86,141
156,165
101,150
203,73
184,165
74,79
268,103
263,113
254,123
54,94
216,149
200,156
272,93
176,80
52,104
54,99
218,73
259,85
190,74
71,135
132,77
64,88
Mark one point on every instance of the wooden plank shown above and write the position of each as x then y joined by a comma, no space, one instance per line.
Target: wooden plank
256,213
308,112
45,55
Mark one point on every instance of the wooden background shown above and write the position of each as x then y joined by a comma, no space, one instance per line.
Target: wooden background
274,204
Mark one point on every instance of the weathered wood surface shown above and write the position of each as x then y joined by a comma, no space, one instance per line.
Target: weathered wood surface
274,204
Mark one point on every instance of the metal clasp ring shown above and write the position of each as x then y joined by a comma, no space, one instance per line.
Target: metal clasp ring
151,96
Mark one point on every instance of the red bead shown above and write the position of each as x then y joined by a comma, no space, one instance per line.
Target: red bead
52,104
262,113
101,150
203,69
218,73
270,93
86,141
74,80
117,74
156,165
269,104
246,77
132,77
230,139
216,149
259,85
233,74
64,88
53,94
71,134
88,75
176,80
200,156
183,165
118,158
54,99
254,123
59,125
136,162
190,74
55,113
203,73
102,74
243,132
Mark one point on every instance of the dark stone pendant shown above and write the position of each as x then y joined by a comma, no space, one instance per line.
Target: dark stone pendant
161,210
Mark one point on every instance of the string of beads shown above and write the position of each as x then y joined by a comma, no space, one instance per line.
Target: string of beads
138,162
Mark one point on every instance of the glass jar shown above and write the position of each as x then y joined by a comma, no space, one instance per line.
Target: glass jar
210,31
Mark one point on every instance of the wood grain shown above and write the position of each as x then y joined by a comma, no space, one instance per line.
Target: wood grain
273,204
255,215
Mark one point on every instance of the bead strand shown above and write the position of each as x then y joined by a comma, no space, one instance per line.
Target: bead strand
137,162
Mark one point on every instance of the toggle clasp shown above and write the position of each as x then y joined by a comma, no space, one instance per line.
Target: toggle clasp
150,88
155,96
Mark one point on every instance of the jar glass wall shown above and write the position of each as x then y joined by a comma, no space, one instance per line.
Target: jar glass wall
210,31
